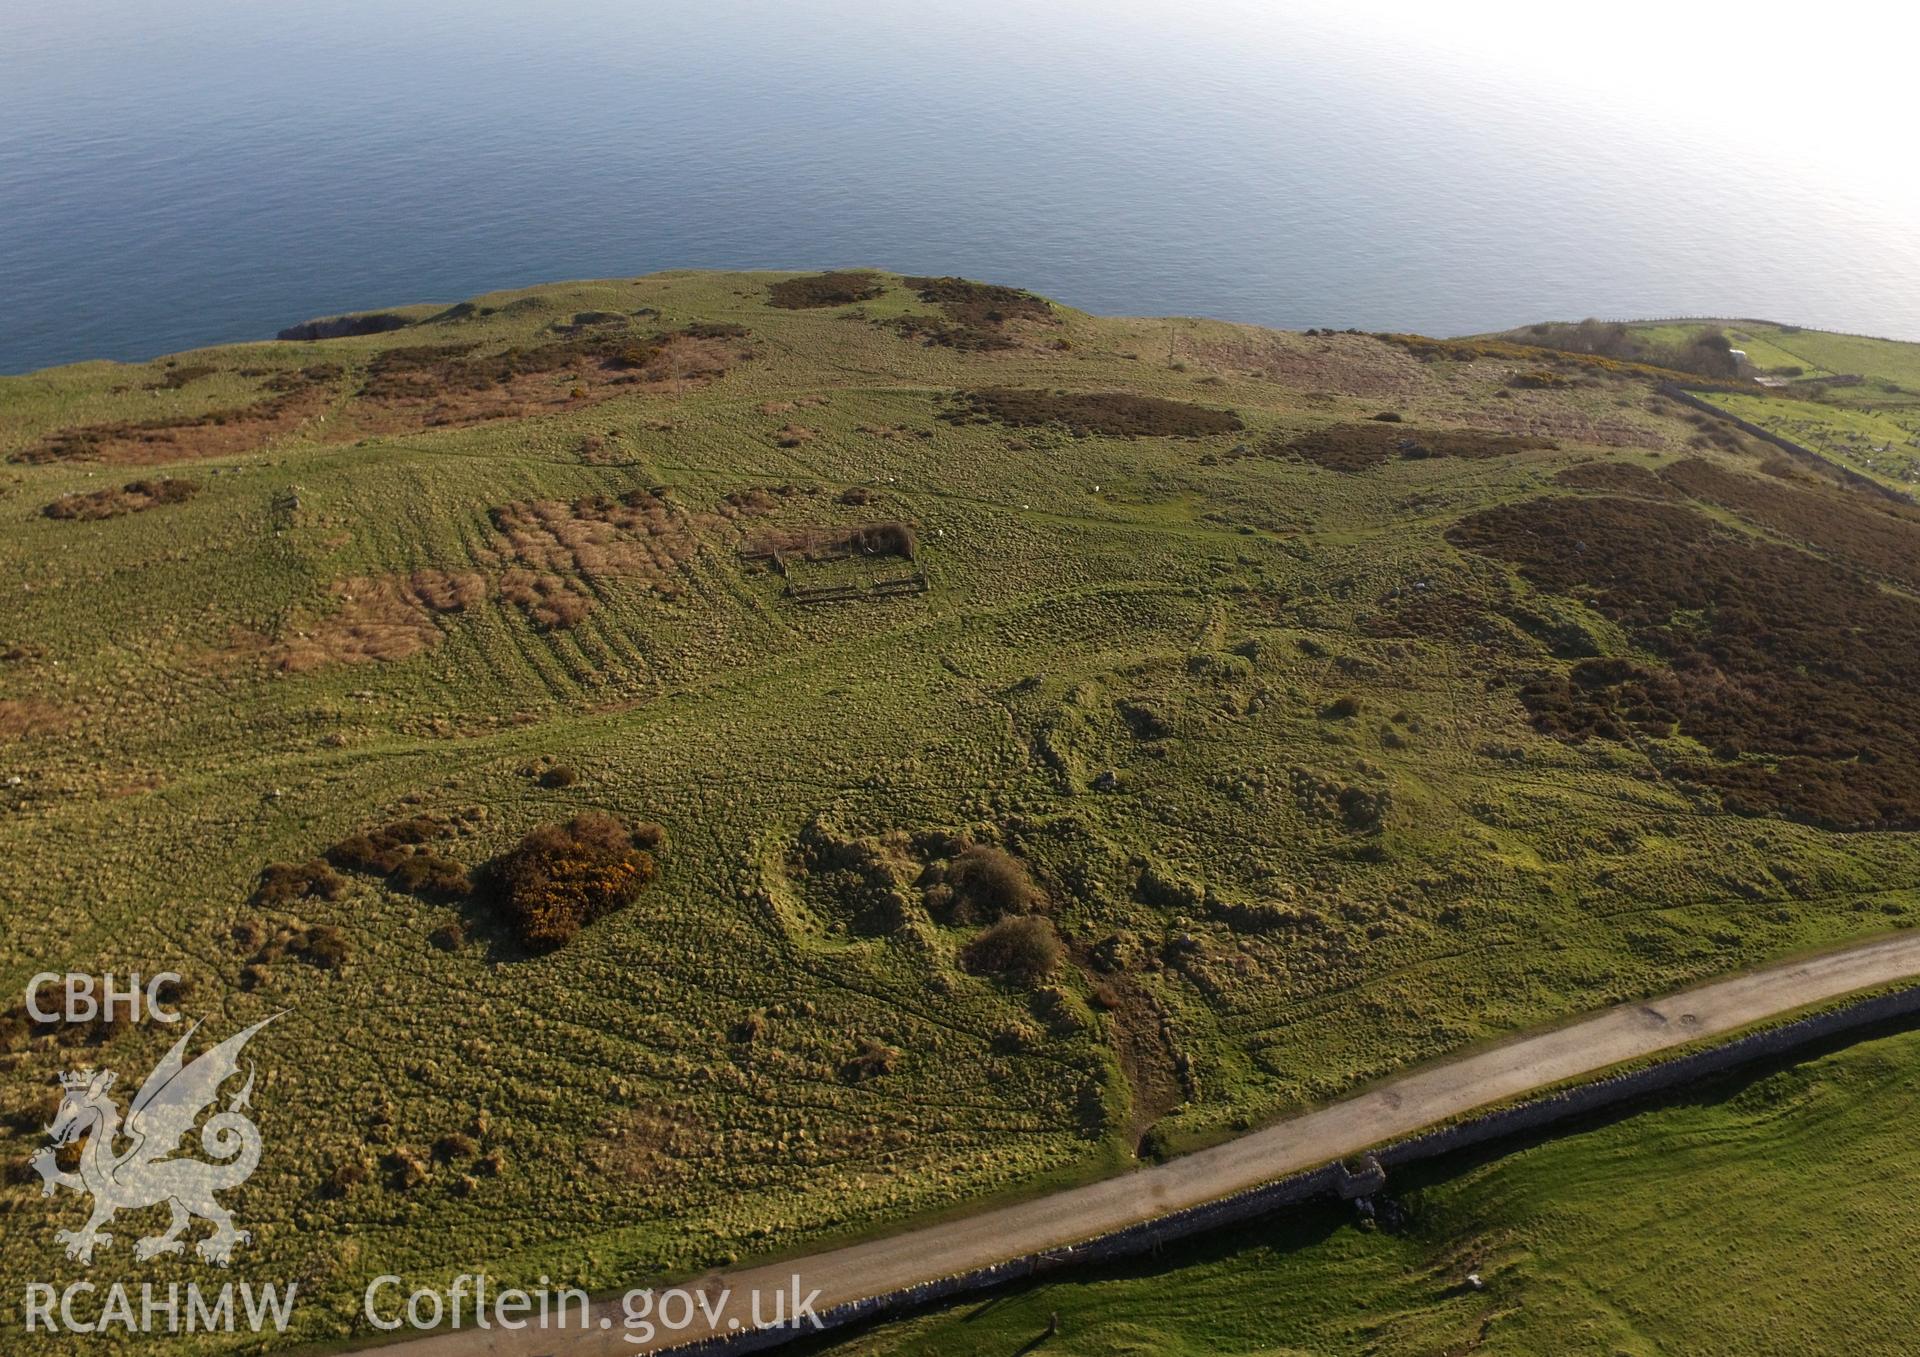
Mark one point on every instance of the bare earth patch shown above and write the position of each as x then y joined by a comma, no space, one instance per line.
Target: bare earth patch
378,618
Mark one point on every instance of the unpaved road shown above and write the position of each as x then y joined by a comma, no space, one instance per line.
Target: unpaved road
1383,1112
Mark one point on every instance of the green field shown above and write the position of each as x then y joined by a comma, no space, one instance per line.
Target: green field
1764,1214
1852,399
1328,745
1855,400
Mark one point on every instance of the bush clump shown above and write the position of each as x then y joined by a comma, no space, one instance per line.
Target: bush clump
1707,352
885,539
981,885
825,289
398,852
283,883
343,1180
1024,949
321,945
562,877
132,498
870,1060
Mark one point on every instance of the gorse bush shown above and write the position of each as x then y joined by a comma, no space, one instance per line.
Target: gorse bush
1023,949
562,877
981,885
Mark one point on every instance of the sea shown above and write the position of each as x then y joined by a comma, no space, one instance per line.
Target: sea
202,171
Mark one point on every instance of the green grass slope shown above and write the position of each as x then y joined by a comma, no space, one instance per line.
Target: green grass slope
1321,743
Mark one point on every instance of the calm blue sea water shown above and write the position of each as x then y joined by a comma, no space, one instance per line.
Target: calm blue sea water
208,170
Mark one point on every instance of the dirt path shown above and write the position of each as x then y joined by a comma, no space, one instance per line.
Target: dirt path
1385,1111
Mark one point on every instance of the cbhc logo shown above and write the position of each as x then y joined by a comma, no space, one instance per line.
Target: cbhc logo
85,998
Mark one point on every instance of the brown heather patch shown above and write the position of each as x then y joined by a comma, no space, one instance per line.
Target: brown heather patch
132,498
294,396
825,289
755,500
1120,414
320,945
973,316
1869,533
1798,675
551,602
558,548
969,303
25,718
450,385
654,1144
1363,446
637,535
283,884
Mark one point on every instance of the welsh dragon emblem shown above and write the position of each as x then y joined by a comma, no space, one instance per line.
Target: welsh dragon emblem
127,1167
